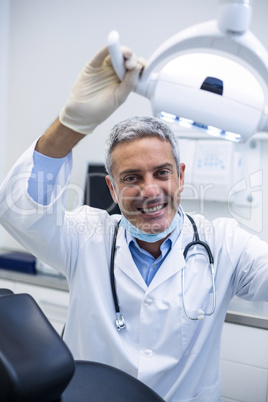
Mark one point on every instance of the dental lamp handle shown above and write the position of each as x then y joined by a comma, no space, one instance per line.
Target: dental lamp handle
116,55
117,60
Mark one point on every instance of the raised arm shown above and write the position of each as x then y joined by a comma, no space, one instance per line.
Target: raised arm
58,140
96,94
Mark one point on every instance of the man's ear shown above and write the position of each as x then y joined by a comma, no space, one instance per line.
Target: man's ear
182,172
111,188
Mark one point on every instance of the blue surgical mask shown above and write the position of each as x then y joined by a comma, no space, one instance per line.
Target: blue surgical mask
176,223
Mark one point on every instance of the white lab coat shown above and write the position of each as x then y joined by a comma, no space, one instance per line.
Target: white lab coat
177,357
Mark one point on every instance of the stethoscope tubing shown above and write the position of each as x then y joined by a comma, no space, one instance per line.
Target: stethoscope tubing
112,277
197,241
120,321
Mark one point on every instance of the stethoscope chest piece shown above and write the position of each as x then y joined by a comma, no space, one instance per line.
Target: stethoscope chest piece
120,322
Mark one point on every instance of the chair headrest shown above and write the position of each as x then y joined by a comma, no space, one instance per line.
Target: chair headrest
5,292
35,363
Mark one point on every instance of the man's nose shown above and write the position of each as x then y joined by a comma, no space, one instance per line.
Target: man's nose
149,188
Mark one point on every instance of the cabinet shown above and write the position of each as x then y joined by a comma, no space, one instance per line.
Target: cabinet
244,364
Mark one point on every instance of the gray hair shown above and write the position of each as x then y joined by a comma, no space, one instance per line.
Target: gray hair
135,128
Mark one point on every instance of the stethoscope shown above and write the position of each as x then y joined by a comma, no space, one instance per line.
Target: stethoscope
120,321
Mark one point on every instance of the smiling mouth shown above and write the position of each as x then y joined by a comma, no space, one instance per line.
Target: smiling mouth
152,209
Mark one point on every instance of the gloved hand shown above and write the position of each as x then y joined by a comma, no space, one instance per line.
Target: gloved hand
98,92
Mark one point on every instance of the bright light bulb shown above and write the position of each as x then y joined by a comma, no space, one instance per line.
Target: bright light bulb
188,123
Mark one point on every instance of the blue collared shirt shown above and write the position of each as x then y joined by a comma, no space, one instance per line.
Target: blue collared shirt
43,177
144,261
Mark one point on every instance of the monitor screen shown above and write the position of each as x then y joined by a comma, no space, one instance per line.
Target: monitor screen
97,193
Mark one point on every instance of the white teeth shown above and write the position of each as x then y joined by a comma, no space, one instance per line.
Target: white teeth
148,210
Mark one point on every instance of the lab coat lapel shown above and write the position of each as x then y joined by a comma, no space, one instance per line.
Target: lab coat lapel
124,261
174,262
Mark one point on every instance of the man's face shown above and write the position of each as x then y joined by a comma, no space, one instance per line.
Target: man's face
146,183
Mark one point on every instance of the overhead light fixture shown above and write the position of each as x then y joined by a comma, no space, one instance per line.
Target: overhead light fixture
212,76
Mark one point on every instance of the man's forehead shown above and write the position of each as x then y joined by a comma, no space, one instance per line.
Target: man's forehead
136,141
140,151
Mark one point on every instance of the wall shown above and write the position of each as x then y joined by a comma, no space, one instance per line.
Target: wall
243,188
4,29
49,42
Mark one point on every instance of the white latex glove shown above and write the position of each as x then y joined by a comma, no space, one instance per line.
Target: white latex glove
98,92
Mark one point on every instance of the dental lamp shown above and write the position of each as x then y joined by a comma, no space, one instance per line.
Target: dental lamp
212,76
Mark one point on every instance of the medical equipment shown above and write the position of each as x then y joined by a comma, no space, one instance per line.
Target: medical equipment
196,241
226,96
120,320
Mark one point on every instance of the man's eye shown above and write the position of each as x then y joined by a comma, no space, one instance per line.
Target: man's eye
130,179
163,173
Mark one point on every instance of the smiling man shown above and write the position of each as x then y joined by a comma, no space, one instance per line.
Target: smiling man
146,179
168,330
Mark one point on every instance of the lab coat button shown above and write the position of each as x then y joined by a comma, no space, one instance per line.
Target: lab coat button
148,353
148,301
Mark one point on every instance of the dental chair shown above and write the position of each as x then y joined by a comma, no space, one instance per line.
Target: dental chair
37,366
